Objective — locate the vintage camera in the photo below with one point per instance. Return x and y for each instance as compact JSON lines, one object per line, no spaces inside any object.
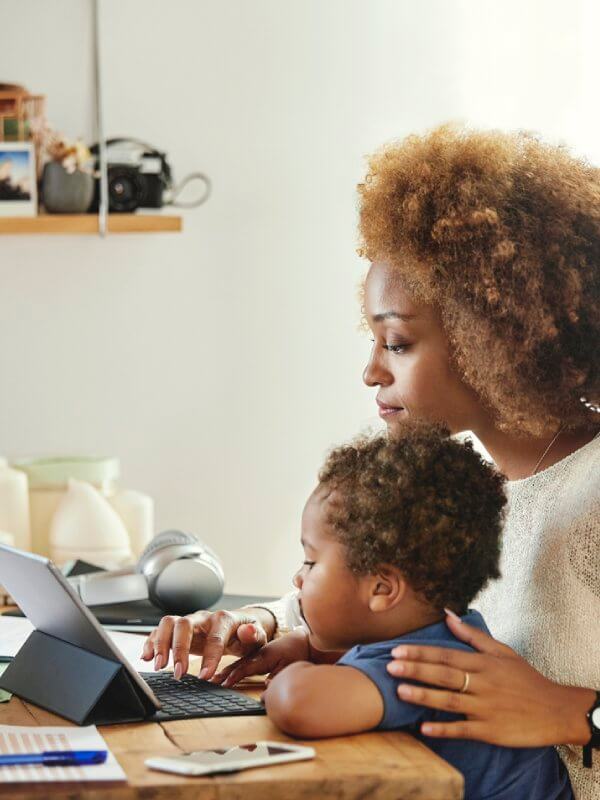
{"x":138,"y":175}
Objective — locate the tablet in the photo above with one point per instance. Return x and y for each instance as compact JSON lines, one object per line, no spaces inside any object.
{"x":54,"y":607}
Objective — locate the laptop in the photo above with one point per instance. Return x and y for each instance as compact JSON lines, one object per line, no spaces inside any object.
{"x":53,"y":606}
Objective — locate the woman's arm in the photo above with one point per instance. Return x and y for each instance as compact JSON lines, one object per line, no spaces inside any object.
{"x":506,"y":702}
{"x":311,"y":701}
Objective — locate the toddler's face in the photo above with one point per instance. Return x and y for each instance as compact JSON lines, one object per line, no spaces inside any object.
{"x":331,"y":599}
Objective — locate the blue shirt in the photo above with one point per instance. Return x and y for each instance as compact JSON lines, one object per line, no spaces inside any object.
{"x":501,"y":773}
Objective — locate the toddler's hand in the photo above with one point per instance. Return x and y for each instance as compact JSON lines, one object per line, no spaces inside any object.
{"x":269,"y":660}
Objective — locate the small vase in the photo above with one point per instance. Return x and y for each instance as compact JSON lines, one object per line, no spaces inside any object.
{"x":64,"y":192}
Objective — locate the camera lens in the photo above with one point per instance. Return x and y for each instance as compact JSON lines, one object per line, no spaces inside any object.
{"x":124,"y":189}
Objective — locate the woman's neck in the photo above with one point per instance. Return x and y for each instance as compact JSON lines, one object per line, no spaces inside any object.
{"x":518,"y":457}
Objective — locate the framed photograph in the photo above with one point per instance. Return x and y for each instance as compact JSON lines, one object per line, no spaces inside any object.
{"x":18,"y":188}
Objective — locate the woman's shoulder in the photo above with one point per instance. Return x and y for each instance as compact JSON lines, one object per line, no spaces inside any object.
{"x":562,"y":502}
{"x":559,"y":510}
{"x":580,"y":468}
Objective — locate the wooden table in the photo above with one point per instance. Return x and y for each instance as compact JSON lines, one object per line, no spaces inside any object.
{"x":377,"y":766}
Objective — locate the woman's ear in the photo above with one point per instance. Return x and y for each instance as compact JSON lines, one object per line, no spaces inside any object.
{"x":387,"y":589}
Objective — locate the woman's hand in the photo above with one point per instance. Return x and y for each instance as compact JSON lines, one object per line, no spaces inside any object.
{"x":210,"y":634}
{"x":269,"y":660}
{"x":506,"y":702}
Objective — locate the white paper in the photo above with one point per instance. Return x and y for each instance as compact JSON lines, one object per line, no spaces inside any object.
{"x":130,"y":645}
{"x":15,"y":630}
{"x":25,"y":739}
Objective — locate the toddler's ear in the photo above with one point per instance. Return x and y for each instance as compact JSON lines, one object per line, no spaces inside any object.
{"x":387,"y":588}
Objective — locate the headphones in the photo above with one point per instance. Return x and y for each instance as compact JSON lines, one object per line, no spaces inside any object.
{"x":177,"y":572}
{"x":183,"y":573}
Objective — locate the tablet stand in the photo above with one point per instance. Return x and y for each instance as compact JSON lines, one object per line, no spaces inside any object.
{"x":75,"y":683}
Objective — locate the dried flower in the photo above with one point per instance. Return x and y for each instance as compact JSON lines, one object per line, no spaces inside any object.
{"x":55,"y":146}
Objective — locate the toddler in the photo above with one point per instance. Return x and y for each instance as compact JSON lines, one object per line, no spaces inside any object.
{"x":395,"y":531}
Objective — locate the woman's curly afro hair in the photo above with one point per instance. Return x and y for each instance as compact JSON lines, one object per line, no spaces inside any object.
{"x":502,"y":233}
{"x":423,"y":502}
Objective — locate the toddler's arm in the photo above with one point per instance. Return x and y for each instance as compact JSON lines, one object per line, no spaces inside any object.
{"x":311,"y":701}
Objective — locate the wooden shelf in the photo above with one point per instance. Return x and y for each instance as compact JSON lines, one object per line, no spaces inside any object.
{"x":88,"y":224}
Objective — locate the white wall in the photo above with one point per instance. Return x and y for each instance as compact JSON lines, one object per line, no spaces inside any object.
{"x":221,"y":363}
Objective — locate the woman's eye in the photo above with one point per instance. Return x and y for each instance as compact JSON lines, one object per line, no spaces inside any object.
{"x":308,"y":564}
{"x":395,"y":348}
{"x":392,"y":347}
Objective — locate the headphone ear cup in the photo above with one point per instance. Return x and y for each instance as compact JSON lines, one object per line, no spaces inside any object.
{"x":186,"y":585}
{"x":161,"y":540}
{"x":183,"y":574}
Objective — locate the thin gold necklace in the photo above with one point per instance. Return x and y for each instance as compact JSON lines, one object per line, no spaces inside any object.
{"x":547,"y":450}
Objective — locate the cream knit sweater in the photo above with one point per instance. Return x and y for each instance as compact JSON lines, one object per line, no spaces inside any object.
{"x":546,"y":605}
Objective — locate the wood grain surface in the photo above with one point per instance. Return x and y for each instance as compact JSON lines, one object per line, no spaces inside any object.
{"x":88,"y":224}
{"x":378,"y":766}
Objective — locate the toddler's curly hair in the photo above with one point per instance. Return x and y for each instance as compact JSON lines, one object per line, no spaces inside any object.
{"x":423,"y":502}
{"x":502,"y":232}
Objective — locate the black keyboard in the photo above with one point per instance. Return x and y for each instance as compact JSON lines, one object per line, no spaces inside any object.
{"x":190,"y":697}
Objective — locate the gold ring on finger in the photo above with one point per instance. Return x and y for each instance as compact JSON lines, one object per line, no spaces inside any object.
{"x":465,"y":685}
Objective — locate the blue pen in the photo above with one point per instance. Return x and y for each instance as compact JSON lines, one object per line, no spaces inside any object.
{"x":56,"y":758}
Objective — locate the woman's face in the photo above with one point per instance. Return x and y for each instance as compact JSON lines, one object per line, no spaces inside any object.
{"x":410,"y":359}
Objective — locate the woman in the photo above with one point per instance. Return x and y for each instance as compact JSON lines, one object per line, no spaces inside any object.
{"x":483,"y":299}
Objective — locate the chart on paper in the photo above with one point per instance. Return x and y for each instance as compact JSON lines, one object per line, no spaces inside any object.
{"x":16,"y":739}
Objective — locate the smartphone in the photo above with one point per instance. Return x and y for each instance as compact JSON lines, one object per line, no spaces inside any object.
{"x":231,"y":759}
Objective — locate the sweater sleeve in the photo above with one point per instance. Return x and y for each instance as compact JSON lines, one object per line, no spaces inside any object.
{"x":585,"y":781}
{"x":286,"y":611}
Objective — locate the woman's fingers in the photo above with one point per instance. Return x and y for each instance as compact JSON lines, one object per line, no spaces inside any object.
{"x":251,"y":635}
{"x":462,"y":729}
{"x":172,"y":631}
{"x":455,"y":702}
{"x":162,"y":641}
{"x":148,"y":648}
{"x":477,"y":638}
{"x":432,"y":674}
{"x":446,"y":656}
{"x":220,"y":627}
{"x":247,"y":638}
{"x":183,"y":631}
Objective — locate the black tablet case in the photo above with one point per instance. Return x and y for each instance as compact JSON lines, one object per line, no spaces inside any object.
{"x":75,"y":683}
